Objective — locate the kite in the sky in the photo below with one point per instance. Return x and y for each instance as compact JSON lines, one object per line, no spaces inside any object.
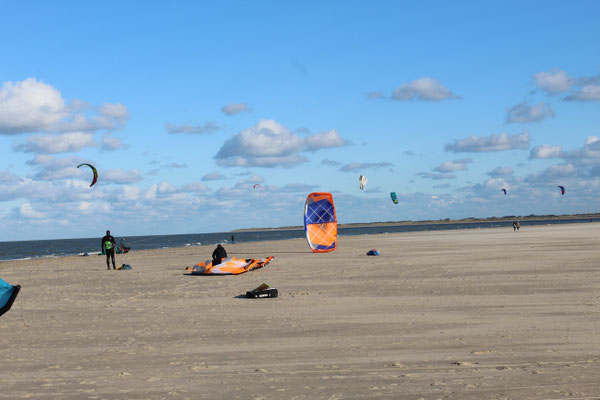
{"x":363,"y":182}
{"x":394,"y":197}
{"x":504,"y":190}
{"x":93,"y":170}
{"x":258,"y":185}
{"x":562,"y":189}
{"x":320,"y":222}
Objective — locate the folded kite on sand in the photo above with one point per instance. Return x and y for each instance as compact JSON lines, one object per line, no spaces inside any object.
{"x":229,"y":266}
{"x":8,"y":294}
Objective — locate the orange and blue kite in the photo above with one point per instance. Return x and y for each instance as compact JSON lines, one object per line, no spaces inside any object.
{"x":320,"y":222}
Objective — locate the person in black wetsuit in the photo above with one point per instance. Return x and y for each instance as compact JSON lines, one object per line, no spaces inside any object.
{"x":108,"y":247}
{"x":218,"y":255}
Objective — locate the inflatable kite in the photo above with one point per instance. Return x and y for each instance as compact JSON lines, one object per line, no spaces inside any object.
{"x":394,"y":197}
{"x":320,"y":222}
{"x":93,"y":170}
{"x":504,"y":190}
{"x":562,"y":190}
{"x":373,"y":252}
{"x":8,"y":294}
{"x":258,"y":185}
{"x":363,"y":181}
{"x":229,"y":266}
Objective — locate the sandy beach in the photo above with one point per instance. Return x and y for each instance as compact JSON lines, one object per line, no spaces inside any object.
{"x":466,"y":314}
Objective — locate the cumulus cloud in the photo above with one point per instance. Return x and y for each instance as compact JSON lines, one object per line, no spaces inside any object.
{"x":546,"y":151}
{"x":587,"y":93}
{"x":500,"y":172}
{"x":119,"y":176}
{"x":525,"y":113}
{"x":234,"y":108}
{"x":501,"y":142}
{"x":207,"y":127}
{"x":213,"y":176}
{"x":553,"y":173}
{"x":270,"y":144}
{"x":435,"y":176}
{"x":451,"y":166}
{"x":426,"y":88}
{"x":554,"y":81}
{"x":330,"y":163}
{"x":356,"y":166}
{"x":109,"y":142}
{"x":56,"y":143}
{"x":31,"y":106}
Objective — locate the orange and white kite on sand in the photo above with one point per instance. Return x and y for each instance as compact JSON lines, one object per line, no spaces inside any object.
{"x":229,"y":266}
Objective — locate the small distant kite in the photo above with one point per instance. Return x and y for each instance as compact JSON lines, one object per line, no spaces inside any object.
{"x":504,"y":190}
{"x":258,"y":185}
{"x":562,"y":190}
{"x":363,"y":182}
{"x":394,"y":197}
{"x":93,"y":170}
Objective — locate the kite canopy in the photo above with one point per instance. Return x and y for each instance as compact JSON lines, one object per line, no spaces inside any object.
{"x":93,"y":170}
{"x":258,"y":185}
{"x":8,"y":294}
{"x":229,"y":266}
{"x":394,"y":197}
{"x":320,"y":222}
{"x":562,"y":189}
{"x":504,"y":190}
{"x":363,"y":181}
{"x":373,"y":252}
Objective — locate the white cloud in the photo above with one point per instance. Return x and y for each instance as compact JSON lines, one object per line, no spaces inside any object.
{"x":330,"y":163}
{"x":235,"y":108}
{"x":56,"y":143}
{"x":554,"y":81}
{"x":546,"y":151}
{"x":551,"y":174}
{"x":525,"y":113}
{"x":587,"y":93}
{"x":425,"y":88}
{"x":28,"y":212}
{"x":436,"y":176}
{"x":355,"y":166}
{"x":208,"y":127}
{"x":33,"y":106}
{"x":108,"y":142}
{"x":213,"y":176}
{"x":129,"y":193}
{"x":270,"y":144}
{"x":501,"y":142}
{"x":500,"y":172}
{"x":119,"y":176}
{"x":451,"y":166}
{"x":30,"y":106}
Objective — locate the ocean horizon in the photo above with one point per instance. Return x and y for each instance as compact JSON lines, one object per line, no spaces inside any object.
{"x":28,"y":249}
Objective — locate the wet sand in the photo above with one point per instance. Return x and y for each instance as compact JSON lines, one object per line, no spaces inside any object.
{"x":466,"y":314}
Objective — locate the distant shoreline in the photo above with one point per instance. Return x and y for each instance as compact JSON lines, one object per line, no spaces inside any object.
{"x":508,"y":218}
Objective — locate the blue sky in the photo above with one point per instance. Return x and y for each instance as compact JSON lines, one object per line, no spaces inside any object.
{"x":184,"y":106}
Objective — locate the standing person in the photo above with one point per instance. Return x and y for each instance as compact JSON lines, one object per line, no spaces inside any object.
{"x":232,"y":239}
{"x":108,"y":247}
{"x":518,"y":225}
{"x":514,"y":225}
{"x":218,"y":255}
